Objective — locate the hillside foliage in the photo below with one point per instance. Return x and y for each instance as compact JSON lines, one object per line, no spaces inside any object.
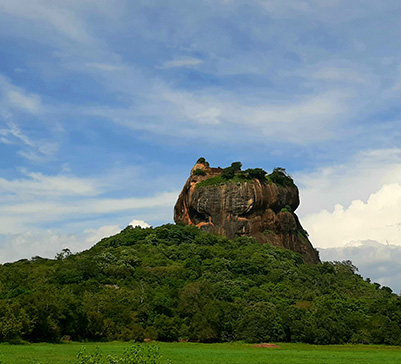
{"x":176,"y":282}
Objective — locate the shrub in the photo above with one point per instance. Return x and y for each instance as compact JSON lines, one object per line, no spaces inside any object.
{"x":83,"y":357}
{"x":135,"y":354}
{"x":202,"y":160}
{"x":228,"y":173}
{"x":236,"y":166}
{"x":279,"y":176}
{"x":256,"y":173}
{"x":199,"y":172}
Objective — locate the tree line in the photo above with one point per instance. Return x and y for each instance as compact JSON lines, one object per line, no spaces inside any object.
{"x":177,"y":282}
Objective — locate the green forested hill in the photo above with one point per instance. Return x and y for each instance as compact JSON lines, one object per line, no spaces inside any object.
{"x":176,"y":282}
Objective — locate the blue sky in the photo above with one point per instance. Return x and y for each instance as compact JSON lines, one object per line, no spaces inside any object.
{"x":106,"y":105}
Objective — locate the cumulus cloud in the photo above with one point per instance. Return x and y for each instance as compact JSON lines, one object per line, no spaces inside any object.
{"x":352,"y":211}
{"x":355,"y":179}
{"x":379,"y":219}
{"x":140,"y":223}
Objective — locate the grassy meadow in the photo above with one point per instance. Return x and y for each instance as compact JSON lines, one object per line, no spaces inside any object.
{"x":228,"y":353}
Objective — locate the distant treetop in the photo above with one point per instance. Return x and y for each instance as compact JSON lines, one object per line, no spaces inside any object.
{"x":281,"y":177}
{"x":202,"y":160}
{"x":236,"y":166}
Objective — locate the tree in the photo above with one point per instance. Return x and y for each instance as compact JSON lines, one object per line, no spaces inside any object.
{"x":202,"y":160}
{"x":236,"y":166}
{"x":281,"y":177}
{"x":65,"y":253}
{"x":228,"y":173}
{"x":256,"y":173}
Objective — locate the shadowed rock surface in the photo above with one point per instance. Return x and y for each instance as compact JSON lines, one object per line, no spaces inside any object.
{"x":264,"y":210}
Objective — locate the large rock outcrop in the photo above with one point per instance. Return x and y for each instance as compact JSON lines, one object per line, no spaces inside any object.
{"x":244,"y":207}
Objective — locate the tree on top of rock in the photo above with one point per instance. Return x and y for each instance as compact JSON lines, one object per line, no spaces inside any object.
{"x":202,"y":160}
{"x":236,"y":166}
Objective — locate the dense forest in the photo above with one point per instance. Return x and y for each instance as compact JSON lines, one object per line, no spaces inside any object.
{"x":176,"y":282}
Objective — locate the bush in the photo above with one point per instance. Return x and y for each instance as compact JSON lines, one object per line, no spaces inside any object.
{"x":135,"y":354}
{"x":236,"y":166}
{"x":256,"y":173}
{"x":202,"y":160}
{"x":199,"y":172}
{"x":280,"y":177}
{"x":228,"y":173}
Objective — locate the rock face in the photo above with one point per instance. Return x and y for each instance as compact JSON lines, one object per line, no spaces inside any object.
{"x":264,"y":210}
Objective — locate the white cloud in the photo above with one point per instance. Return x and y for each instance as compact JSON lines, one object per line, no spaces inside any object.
{"x":34,"y":150}
{"x":38,"y":185}
{"x":185,"y":62}
{"x":378,"y":219}
{"x":24,"y":215}
{"x":359,"y":200}
{"x":29,"y":244}
{"x":12,"y":133}
{"x":312,"y":112}
{"x":47,"y":243}
{"x":14,"y":97}
{"x":209,"y":116}
{"x":39,"y":200}
{"x":25,"y":101}
{"x":15,"y":100}
{"x":309,"y":118}
{"x":95,"y":235}
{"x":140,"y":223}
{"x":356,"y":179}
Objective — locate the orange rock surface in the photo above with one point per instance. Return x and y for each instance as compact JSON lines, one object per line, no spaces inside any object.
{"x":247,"y":208}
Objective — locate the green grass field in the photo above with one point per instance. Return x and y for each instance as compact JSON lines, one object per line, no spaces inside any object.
{"x":191,"y":353}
